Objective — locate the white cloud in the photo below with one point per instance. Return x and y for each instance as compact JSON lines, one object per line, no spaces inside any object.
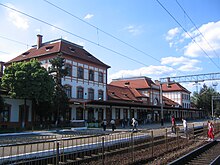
{"x":210,"y":43}
{"x":134,"y":30}
{"x":172,"y":37}
{"x":172,"y":33}
{"x":88,"y":16}
{"x":17,"y":19}
{"x":183,"y":63}
{"x":151,"y":71}
{"x":211,"y":33}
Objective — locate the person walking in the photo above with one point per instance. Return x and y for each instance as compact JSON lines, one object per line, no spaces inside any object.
{"x":185,"y":127}
{"x":173,"y":122}
{"x":104,"y":124}
{"x":134,"y":124}
{"x":211,"y":132}
{"x":112,"y":122}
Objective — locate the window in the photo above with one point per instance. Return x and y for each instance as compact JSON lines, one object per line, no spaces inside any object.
{"x":91,"y":117}
{"x":91,"y":94}
{"x":79,"y":93}
{"x":117,"y":113}
{"x":68,"y":90}
{"x":100,"y":95}
{"x":48,"y":48}
{"x":5,"y":114}
{"x":100,"y":78}
{"x":69,"y":69}
{"x":79,"y":113}
{"x":91,"y":75}
{"x":80,"y":72}
{"x":72,"y":49}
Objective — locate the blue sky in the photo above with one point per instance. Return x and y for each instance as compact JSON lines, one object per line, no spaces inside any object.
{"x":154,"y":44}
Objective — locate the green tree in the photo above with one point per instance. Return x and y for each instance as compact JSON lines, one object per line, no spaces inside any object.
{"x":203,"y":99}
{"x":28,"y":80}
{"x":60,"y":99}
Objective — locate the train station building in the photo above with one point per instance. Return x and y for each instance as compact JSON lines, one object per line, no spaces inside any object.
{"x":92,"y":99}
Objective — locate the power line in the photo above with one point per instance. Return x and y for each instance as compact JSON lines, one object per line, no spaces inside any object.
{"x":98,"y":29}
{"x":22,"y":43}
{"x":4,"y":52}
{"x":187,"y":33}
{"x":66,"y":31}
{"x":197,"y":28}
{"x":108,"y":34}
{"x":97,"y":44}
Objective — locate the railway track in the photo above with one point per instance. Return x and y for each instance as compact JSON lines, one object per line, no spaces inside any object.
{"x":206,"y":154}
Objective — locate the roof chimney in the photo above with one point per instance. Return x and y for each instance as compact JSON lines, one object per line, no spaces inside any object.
{"x":39,"y":41}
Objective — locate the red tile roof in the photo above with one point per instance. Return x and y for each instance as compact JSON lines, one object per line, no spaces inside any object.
{"x":169,"y":102}
{"x":120,"y":93}
{"x":174,"y":87}
{"x":56,"y":46}
{"x":135,"y":82}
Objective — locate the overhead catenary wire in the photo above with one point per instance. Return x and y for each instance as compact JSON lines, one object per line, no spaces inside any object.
{"x":197,"y":28}
{"x":18,"y":42}
{"x":66,"y":31}
{"x":98,"y":29}
{"x":187,"y":33}
{"x":107,"y":33}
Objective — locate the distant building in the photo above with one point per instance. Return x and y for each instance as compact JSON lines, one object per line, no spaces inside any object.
{"x":146,"y":89}
{"x":177,"y":93}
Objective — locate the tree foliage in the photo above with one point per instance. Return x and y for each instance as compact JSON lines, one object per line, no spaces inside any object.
{"x":60,"y":99}
{"x":203,"y":98}
{"x":28,"y":80}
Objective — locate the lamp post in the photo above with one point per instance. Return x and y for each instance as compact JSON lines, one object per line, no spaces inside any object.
{"x":212,"y":106}
{"x":161,"y":104}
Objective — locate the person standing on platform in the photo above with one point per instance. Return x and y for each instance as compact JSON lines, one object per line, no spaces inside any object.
{"x":113,"y":124}
{"x":173,"y":122}
{"x":104,"y":124}
{"x":185,"y":127}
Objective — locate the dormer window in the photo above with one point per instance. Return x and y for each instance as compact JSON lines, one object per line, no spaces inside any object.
{"x":89,"y":55}
{"x":48,"y":48}
{"x":127,"y":83}
{"x":25,"y":54}
{"x":72,"y":49}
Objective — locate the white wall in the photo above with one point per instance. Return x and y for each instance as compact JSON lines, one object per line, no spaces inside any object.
{"x":15,"y":103}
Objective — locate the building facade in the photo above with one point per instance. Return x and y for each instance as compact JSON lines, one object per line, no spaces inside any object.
{"x":92,"y":100}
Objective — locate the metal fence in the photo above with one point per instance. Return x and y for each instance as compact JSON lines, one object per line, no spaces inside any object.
{"x":99,"y":148}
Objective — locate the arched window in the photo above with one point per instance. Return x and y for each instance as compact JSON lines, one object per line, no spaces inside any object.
{"x":80,"y":72}
{"x":5,"y":113}
{"x":91,"y":75}
{"x":79,"y":113}
{"x":91,"y":94}
{"x":100,"y":77}
{"x":69,"y":69}
{"x":68,"y":90}
{"x":79,"y":92}
{"x":100,"y":95}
